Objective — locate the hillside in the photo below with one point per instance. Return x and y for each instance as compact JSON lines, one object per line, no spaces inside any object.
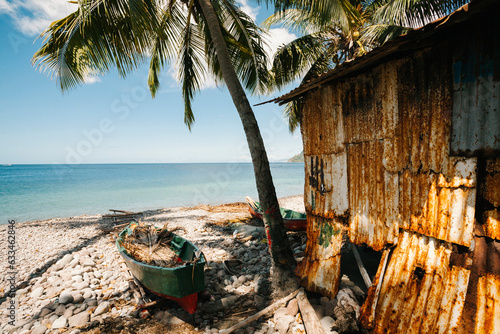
{"x":297,"y":158}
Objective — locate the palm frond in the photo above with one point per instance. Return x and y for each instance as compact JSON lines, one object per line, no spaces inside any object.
{"x":191,"y":69}
{"x":294,"y":59}
{"x":378,"y":34}
{"x":245,"y":46}
{"x":293,"y":112}
{"x":324,"y":12}
{"x":96,"y":37}
{"x":166,"y":44}
{"x":413,"y":13}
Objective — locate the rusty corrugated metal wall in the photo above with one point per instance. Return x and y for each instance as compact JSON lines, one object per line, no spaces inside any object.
{"x":392,"y":159}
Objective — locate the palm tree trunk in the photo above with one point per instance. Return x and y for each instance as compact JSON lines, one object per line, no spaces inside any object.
{"x":283,"y":262}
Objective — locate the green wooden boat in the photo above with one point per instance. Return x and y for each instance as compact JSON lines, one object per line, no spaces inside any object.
{"x":180,"y":284}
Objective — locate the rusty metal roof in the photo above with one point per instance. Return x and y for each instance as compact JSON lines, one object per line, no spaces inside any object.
{"x":413,"y":40}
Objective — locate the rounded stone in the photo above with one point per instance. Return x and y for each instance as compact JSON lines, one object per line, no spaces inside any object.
{"x":65,"y":297}
{"x":38,"y":292}
{"x":60,"y":323}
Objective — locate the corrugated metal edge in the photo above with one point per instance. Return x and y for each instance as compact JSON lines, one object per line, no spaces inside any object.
{"x":426,"y":293}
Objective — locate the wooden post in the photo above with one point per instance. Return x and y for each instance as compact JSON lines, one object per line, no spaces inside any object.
{"x":362,"y":270}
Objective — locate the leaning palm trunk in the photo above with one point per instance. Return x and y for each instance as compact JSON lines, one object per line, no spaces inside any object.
{"x":282,"y":257}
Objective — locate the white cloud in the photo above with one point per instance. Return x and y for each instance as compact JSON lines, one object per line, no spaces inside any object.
{"x":276,"y":38}
{"x":249,"y":10}
{"x":31,"y":17}
{"x":91,"y":79}
{"x":5,"y":7}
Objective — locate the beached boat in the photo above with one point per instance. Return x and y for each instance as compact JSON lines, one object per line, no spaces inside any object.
{"x":293,"y":220}
{"x":180,"y":284}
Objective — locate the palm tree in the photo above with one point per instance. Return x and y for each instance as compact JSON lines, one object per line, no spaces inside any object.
{"x":125,"y":33}
{"x":335,"y":31}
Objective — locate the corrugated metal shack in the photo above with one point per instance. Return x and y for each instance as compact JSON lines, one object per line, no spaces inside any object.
{"x":402,"y":153}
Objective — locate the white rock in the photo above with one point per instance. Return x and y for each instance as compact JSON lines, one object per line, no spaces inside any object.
{"x":65,"y":260}
{"x":40,"y":329}
{"x":60,"y":323}
{"x":60,"y":309}
{"x":38,"y":292}
{"x":88,"y":263}
{"x":80,"y":286}
{"x":77,"y":278}
{"x":101,"y":308}
{"x":107,"y":274}
{"x":327,"y":323}
{"x":283,"y":323}
{"x":77,"y":272}
{"x":79,"y":319}
{"x":77,"y":298}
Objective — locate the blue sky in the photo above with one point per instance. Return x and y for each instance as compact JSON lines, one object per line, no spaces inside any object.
{"x":113,"y":120}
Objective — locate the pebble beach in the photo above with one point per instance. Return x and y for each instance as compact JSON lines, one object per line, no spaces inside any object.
{"x":69,"y":277}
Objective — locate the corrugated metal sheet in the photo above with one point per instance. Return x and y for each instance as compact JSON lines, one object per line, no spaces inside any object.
{"x":320,"y":269}
{"x":482,"y":305}
{"x":326,"y":193}
{"x":373,"y":197}
{"x":324,"y":125}
{"x":422,"y":131}
{"x":364,"y":106}
{"x":421,"y":292}
{"x":476,"y":92}
{"x":440,"y":212}
{"x":488,"y":305}
{"x":398,"y":163}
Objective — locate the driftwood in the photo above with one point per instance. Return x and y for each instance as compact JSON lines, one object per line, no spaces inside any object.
{"x":119,"y":215}
{"x":309,"y":317}
{"x":123,"y":211}
{"x":362,"y":270}
{"x":270,"y":308}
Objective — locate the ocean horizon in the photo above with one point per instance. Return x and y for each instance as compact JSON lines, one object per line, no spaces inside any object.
{"x":37,"y":192}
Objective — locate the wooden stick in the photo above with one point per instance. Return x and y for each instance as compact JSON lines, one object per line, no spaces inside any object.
{"x":362,"y":270}
{"x":123,"y":211}
{"x":309,"y":317}
{"x":271,"y":308}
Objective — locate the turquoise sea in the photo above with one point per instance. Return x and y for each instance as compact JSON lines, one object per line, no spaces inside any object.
{"x":35,"y":192}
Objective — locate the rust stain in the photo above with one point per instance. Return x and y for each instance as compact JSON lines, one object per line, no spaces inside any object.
{"x":367,"y":311}
{"x":444,"y":213}
{"x":326,"y":192}
{"x":373,"y":197}
{"x":319,"y":271}
{"x":323,"y":122}
{"x":420,"y":292}
{"x":488,"y":304}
